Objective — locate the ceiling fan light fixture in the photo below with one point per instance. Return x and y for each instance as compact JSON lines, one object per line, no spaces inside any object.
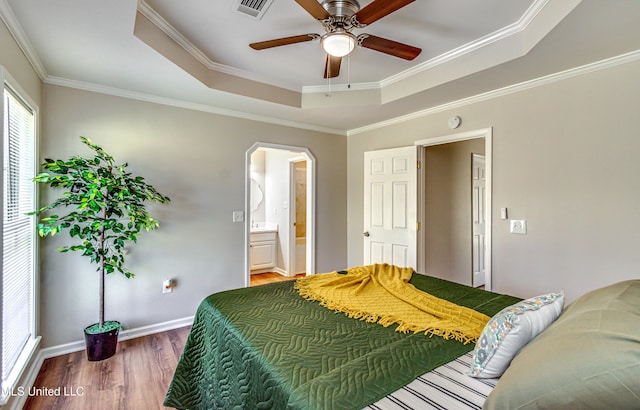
{"x":338,"y":43}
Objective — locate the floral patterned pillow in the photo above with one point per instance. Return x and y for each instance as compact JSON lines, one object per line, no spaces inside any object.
{"x":510,"y":330}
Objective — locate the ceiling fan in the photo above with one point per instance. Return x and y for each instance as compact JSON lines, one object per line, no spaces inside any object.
{"x":339,"y":18}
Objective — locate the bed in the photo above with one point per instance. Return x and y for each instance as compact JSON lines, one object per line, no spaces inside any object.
{"x":266,"y":347}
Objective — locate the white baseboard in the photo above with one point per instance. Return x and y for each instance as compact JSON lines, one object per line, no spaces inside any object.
{"x":53,"y":351}
{"x":277,"y":270}
{"x":157,"y":328}
{"x":126,"y":334}
{"x":259,"y":271}
{"x":281,"y":271}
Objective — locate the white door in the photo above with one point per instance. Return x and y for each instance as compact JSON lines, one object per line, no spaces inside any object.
{"x":390,"y":206}
{"x":478,"y":201}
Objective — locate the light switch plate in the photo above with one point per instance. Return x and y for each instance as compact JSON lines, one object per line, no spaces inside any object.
{"x":518,"y":226}
{"x":238,"y":216}
{"x":167,"y":286}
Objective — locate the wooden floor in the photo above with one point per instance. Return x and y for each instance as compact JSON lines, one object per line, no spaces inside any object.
{"x":136,"y":378}
{"x":262,"y":278}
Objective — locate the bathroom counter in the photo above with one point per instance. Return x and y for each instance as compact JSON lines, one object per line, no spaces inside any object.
{"x":263,"y":227}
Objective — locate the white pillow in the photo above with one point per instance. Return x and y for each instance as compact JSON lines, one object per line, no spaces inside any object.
{"x":510,"y":330}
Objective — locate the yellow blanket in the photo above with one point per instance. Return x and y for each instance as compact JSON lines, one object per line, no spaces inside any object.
{"x":382,"y":294}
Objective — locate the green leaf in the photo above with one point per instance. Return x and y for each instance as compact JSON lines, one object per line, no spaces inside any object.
{"x":107,"y":204}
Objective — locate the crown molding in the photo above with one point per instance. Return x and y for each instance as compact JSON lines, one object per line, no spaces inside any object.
{"x":514,"y":40}
{"x":10,"y":20}
{"x":630,"y":57}
{"x":310,"y":89}
{"x":496,"y":36}
{"x":7,"y":15}
{"x":516,"y":47}
{"x":537,"y":82}
{"x":155,"y":18}
{"x":134,"y":95}
{"x":499,"y":35}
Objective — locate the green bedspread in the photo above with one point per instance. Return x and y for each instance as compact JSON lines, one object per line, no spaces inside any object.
{"x":265,"y":347}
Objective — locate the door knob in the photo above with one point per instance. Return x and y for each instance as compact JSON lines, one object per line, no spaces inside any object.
{"x":366,"y":234}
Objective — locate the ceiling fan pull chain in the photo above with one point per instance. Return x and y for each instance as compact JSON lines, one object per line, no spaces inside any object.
{"x":328,"y":93}
{"x":349,"y":71}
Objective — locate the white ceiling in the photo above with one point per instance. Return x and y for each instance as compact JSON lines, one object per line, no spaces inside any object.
{"x":469,"y":47}
{"x":436,"y":26}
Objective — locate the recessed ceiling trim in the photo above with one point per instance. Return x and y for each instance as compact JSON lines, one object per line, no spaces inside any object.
{"x":183,"y":42}
{"x":501,"y":46}
{"x":340,"y":87}
{"x":533,"y":12}
{"x":515,"y":40}
{"x":477,"y":44}
{"x":453,"y":54}
{"x":149,"y":33}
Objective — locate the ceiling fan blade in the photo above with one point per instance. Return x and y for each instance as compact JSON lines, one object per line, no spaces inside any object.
{"x":332,"y":66}
{"x":378,"y":9}
{"x":314,"y":8}
{"x":390,"y":47}
{"x":283,"y":41}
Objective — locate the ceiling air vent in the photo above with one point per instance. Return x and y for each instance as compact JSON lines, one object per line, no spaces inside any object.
{"x":253,"y":8}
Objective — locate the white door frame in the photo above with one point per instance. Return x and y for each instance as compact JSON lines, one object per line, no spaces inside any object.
{"x":487,"y":134}
{"x":478,"y":180}
{"x":311,"y":205}
{"x":292,"y":216}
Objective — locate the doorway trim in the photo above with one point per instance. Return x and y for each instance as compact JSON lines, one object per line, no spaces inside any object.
{"x":311,"y":204}
{"x":292,"y":216}
{"x":487,"y":134}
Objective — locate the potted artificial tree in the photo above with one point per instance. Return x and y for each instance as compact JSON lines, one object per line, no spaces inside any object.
{"x":107,"y":212}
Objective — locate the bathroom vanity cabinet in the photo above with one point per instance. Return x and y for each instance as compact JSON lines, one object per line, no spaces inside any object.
{"x":262,"y":250}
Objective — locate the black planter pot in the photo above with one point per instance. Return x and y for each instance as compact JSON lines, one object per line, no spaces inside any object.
{"x":101,"y":346}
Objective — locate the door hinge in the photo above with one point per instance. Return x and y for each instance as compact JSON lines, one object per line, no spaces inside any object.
{"x":419,"y":164}
{"x":418,"y":226}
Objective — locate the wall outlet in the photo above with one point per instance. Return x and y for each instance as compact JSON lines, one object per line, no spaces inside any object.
{"x":518,"y":226}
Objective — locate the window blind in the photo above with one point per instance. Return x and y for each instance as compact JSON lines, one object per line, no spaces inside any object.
{"x":18,"y":230}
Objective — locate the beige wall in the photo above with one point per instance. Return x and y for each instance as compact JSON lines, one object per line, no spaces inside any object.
{"x":565,"y":158}
{"x":447,"y":222}
{"x":198,"y":159}
{"x":15,"y":62}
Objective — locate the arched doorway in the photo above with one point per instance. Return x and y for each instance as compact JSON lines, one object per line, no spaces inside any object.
{"x":270,"y":195}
